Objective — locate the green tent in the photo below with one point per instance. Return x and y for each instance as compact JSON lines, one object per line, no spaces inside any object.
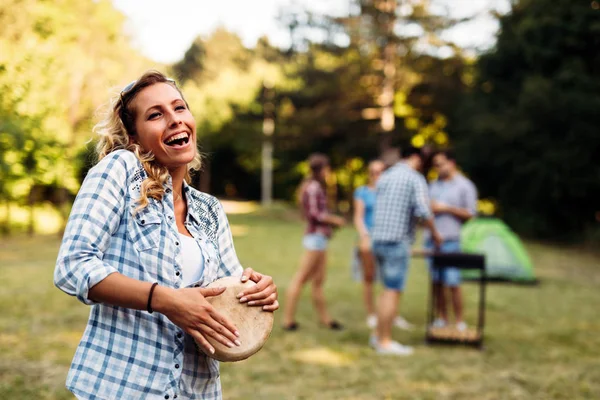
{"x":505,"y":256}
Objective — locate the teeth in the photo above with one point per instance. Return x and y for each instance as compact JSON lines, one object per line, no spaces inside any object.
{"x":178,"y":136}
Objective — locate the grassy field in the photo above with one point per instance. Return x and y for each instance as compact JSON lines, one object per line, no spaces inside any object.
{"x":541,"y":342}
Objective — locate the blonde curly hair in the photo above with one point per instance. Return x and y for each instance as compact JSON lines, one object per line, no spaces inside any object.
{"x":118,"y":126}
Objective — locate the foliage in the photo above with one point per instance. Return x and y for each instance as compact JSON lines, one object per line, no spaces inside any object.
{"x":323,"y":90}
{"x":338,"y":111}
{"x":327,"y":89}
{"x":57,"y":61}
{"x":528,"y":131}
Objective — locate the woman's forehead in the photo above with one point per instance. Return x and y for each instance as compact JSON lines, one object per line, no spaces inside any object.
{"x":156,"y":95}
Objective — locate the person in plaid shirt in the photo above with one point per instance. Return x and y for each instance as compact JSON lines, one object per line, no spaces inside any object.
{"x":140,"y":247}
{"x":364,"y":263}
{"x":401,"y":200}
{"x":320,"y":221}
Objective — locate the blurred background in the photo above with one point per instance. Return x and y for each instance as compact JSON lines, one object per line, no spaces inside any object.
{"x":511,"y":85}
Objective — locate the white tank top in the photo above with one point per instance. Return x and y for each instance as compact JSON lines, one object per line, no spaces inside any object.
{"x":192,"y":264}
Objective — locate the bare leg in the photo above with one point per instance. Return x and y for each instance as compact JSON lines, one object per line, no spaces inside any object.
{"x":441,"y":309}
{"x":308,"y":262}
{"x":318,"y":296}
{"x":387,"y":309}
{"x":457,"y":303}
{"x":368,"y":264}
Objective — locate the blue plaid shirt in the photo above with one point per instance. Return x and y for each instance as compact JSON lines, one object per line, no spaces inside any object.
{"x":401,"y":197}
{"x":126,"y":353}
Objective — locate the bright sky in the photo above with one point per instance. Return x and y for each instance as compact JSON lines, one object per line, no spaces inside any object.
{"x":163,"y":30}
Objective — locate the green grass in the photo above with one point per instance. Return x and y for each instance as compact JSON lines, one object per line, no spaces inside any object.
{"x":541,"y":342}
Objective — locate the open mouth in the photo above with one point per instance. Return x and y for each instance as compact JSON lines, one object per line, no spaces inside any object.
{"x":177,"y":140}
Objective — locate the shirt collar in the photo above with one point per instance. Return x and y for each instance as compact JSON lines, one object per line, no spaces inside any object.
{"x":451,"y":180}
{"x":401,"y":164}
{"x":192,"y":212}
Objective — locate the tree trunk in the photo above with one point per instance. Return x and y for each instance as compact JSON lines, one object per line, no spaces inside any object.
{"x":388,"y":90}
{"x":62,"y":208}
{"x":267,"y":172}
{"x":31,"y":225}
{"x":266,"y":177}
{"x":6,"y":223}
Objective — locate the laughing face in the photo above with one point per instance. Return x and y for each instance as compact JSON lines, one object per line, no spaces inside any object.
{"x":164,"y":125}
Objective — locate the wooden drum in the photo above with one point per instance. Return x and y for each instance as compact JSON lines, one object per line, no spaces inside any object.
{"x":253,"y":323}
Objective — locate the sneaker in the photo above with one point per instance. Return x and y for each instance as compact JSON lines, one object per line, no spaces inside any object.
{"x":461,"y":326}
{"x":373,"y":341}
{"x":372,"y":321}
{"x":439,"y":323}
{"x":401,"y":323}
{"x":394,"y":349}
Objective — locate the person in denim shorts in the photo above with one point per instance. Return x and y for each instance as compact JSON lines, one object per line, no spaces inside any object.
{"x":401,"y":198}
{"x":364,"y":263}
{"x":453,"y":201}
{"x":320,"y":222}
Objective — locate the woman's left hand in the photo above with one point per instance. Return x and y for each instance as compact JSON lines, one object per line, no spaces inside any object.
{"x":264,"y":293}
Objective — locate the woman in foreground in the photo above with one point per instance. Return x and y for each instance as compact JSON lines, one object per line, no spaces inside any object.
{"x":140,"y":246}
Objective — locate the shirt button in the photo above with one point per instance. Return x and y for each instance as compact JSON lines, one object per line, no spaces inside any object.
{"x":167,"y":396}
{"x":177,"y":273}
{"x":176,"y":243}
{"x":196,"y":285}
{"x":143,"y":221}
{"x":179,"y":335}
{"x":174,"y":396}
{"x":176,"y":366}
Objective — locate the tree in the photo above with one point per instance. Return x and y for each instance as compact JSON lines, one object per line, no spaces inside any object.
{"x":57,"y":61}
{"x":223,"y":82}
{"x":528,"y":131}
{"x":326,"y":95}
{"x":371,"y":82}
{"x":192,"y":64}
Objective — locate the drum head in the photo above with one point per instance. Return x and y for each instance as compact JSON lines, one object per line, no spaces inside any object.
{"x":253,"y":324}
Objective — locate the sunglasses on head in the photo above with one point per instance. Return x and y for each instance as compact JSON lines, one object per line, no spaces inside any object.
{"x":128,"y":87}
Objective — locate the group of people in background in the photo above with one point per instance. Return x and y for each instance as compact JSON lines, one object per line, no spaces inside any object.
{"x":387,"y":210}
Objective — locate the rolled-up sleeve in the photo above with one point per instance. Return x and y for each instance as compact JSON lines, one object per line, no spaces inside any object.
{"x":422,"y":207}
{"x":230,"y":264}
{"x":95,"y":217}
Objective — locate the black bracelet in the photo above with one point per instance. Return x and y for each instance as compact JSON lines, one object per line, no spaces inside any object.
{"x":149,"y":307}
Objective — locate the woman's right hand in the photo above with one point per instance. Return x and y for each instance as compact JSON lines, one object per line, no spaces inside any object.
{"x":189,"y":309}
